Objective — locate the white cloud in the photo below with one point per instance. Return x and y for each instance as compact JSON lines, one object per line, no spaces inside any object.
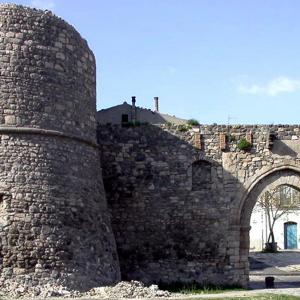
{"x":272,"y":88}
{"x":43,"y":4}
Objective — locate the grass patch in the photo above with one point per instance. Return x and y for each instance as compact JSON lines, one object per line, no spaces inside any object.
{"x":259,"y":297}
{"x":196,"y":288}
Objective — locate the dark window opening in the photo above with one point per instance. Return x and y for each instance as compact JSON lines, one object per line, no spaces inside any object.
{"x":201,"y":172}
{"x":124,"y":118}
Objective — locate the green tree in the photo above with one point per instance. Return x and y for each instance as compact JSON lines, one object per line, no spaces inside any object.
{"x":277,"y":203}
{"x":193,"y":122}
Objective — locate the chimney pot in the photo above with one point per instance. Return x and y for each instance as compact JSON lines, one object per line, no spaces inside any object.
{"x":133,"y":109}
{"x":156,"y":101}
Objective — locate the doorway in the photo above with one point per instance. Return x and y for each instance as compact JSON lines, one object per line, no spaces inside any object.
{"x":290,"y":235}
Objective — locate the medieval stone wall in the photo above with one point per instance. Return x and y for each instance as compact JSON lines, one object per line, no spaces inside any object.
{"x":54,"y":224}
{"x":178,"y":196}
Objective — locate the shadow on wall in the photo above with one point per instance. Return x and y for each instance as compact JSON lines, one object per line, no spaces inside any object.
{"x":283,"y":148}
{"x":170,"y":205}
{"x":175,"y":209}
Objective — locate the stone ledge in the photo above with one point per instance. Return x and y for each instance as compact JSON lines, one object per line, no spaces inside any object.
{"x":47,"y":132}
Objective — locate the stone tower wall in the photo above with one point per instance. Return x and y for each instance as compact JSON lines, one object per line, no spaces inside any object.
{"x":54,"y":223}
{"x":47,"y":73}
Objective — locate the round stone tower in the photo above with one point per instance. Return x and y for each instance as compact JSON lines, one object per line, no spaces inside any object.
{"x":54,"y":222}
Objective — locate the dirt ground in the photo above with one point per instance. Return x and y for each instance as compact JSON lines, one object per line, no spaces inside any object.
{"x":283,"y":266}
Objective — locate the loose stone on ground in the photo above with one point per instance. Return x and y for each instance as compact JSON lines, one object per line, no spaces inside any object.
{"x":132,"y":289}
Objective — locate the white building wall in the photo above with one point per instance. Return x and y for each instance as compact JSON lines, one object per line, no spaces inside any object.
{"x":259,"y":231}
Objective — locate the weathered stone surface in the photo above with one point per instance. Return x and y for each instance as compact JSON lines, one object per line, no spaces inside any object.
{"x":54,"y":224}
{"x":182,"y":213}
{"x":180,"y":200}
{"x":41,"y":82}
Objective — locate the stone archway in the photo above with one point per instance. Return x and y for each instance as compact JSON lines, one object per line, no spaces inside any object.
{"x":284,"y":175}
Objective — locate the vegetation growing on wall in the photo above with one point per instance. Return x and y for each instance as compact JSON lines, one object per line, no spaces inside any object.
{"x":193,"y":122}
{"x":183,"y":128}
{"x":244,"y":145}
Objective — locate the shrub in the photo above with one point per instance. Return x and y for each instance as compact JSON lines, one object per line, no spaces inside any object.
{"x":193,"y":122}
{"x":244,"y":145}
{"x":182,"y":128}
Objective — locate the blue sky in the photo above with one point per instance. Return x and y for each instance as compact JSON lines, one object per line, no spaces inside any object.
{"x":205,"y":59}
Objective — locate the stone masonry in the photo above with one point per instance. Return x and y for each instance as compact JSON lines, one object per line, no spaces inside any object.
{"x":54,"y":225}
{"x":181,"y":198}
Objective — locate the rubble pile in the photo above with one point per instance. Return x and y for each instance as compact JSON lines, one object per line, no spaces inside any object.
{"x":132,"y":289}
{"x":15,"y":290}
{"x":124,"y":289}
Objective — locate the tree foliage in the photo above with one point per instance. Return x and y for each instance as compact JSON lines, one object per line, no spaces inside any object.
{"x":193,"y":122}
{"x":277,"y":203}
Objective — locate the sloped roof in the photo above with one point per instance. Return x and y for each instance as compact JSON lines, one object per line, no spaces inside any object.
{"x":113,"y":115}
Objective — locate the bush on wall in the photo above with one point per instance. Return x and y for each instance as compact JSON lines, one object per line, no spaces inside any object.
{"x":193,"y":122}
{"x":244,"y":145}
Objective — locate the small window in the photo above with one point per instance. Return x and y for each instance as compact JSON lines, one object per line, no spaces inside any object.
{"x":288,"y":196}
{"x":201,"y":175}
{"x":124,"y":118}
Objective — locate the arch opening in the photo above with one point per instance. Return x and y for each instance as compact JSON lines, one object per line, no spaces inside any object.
{"x":285,"y":181}
{"x":272,"y":210}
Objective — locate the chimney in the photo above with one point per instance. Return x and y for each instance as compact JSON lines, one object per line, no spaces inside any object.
{"x":133,"y":100}
{"x":133,"y":109}
{"x":156,"y":99}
